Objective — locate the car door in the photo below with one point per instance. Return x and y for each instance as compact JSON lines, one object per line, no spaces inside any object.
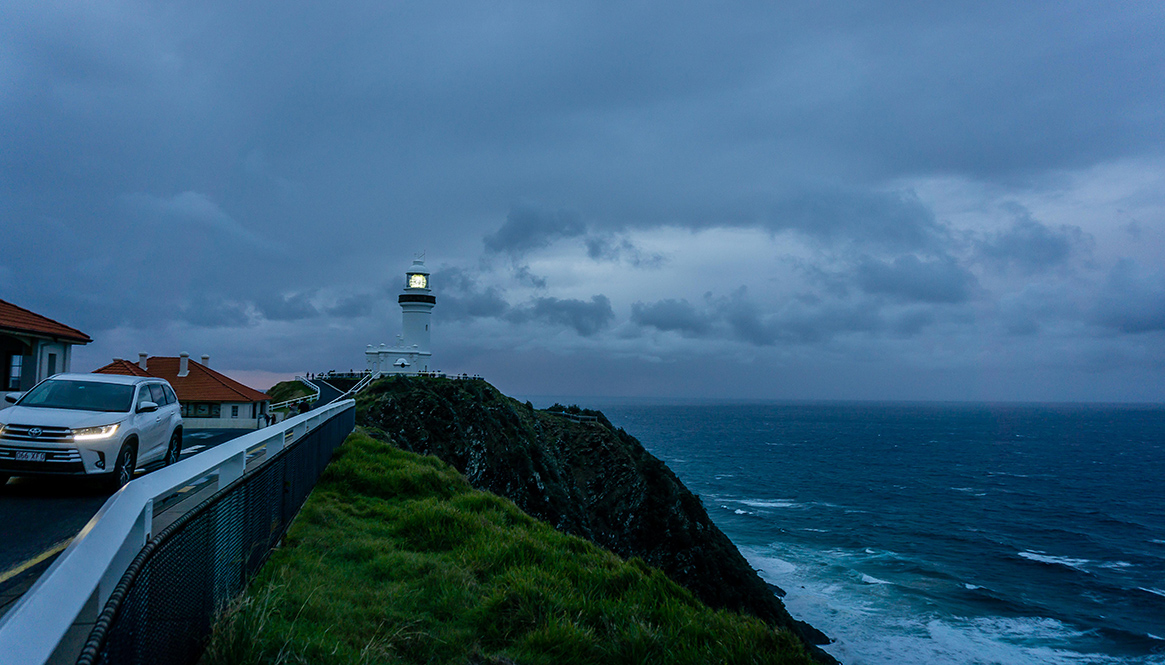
{"x":149,"y":426}
{"x":171,"y":412}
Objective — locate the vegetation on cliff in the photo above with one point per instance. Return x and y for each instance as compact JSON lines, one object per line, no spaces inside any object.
{"x":285,"y":390}
{"x":588,"y":479}
{"x":395,"y":558}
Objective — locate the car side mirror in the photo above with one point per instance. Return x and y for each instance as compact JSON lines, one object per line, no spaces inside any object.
{"x":13,"y":397}
{"x":147,"y":407}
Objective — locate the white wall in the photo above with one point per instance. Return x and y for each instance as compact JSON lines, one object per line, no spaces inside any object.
{"x":44,"y":348}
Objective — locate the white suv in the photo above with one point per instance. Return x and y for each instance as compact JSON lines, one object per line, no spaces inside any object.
{"x":88,"y":424}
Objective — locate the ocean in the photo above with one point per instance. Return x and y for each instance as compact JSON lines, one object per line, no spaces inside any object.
{"x":939,"y":533}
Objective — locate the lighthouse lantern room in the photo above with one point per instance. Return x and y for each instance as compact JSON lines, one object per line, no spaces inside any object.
{"x":411,"y":354}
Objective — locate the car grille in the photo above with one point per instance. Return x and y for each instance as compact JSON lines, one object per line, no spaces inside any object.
{"x":57,"y":460}
{"x":24,"y":434}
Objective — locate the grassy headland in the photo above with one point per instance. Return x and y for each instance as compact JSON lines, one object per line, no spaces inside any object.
{"x":396,"y":559}
{"x":285,"y":390}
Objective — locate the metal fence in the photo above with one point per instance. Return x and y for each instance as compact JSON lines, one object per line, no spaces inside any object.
{"x":163,"y":608}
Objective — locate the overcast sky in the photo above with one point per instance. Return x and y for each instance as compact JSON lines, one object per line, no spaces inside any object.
{"x":806,"y":200}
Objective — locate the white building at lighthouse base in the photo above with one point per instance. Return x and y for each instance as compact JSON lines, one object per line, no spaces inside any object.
{"x":398,"y":359}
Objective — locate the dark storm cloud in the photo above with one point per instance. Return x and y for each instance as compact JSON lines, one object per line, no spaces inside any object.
{"x":667,"y":315}
{"x":798,"y":321}
{"x":606,"y":247}
{"x":585,"y":318}
{"x":462,"y":296}
{"x":293,"y":307}
{"x":892,"y":219}
{"x":178,"y":213}
{"x":1132,"y":299}
{"x":1031,"y":246}
{"x":210,"y":312}
{"x":528,"y":228}
{"x":353,"y":306}
{"x":909,"y":278}
{"x":523,"y":275}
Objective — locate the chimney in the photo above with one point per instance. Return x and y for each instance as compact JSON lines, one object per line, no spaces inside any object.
{"x":142,"y":359}
{"x":183,"y":364}
{"x":205,"y":360}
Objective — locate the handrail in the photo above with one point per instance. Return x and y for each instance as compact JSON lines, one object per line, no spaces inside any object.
{"x":302,"y":398}
{"x":54,"y":617}
{"x":368,"y":378}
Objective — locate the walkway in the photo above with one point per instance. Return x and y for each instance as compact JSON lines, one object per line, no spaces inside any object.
{"x":328,"y":393}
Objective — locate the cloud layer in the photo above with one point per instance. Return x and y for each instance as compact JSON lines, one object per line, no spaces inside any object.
{"x":913,"y":201}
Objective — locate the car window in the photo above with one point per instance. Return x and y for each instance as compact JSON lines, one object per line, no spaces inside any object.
{"x":144,"y":395}
{"x":170,"y":396}
{"x":85,"y":395}
{"x":158,"y":397}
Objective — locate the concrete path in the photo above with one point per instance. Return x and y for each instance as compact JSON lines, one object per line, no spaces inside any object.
{"x":328,"y":393}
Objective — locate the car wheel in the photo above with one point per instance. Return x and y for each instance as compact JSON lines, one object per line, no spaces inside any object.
{"x":174,"y":451}
{"x":123,"y":470}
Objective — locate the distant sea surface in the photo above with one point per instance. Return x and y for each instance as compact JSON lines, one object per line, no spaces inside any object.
{"x":940,"y":533}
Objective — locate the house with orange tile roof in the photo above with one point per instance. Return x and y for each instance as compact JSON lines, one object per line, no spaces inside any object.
{"x":33,"y":347}
{"x":209,"y":399}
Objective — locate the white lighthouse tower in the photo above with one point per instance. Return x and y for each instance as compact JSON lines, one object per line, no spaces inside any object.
{"x":411,"y":354}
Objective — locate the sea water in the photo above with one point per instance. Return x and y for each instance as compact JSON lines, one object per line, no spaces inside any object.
{"x":939,"y":533}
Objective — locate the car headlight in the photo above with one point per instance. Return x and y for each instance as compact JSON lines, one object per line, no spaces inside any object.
{"x":95,"y":433}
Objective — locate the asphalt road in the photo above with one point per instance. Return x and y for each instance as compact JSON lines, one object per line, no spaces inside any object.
{"x":39,"y":516}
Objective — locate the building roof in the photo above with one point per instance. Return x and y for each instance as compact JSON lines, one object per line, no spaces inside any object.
{"x":201,"y":383}
{"x":14,"y":318}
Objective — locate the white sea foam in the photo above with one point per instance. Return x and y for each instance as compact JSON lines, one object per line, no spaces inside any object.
{"x":971,"y":587}
{"x":1155,"y":592}
{"x":1044,"y":557}
{"x":1116,"y":565}
{"x":761,"y":503}
{"x":770,"y":565}
{"x":872,"y":628}
{"x":741,"y":512}
{"x":865,"y":638}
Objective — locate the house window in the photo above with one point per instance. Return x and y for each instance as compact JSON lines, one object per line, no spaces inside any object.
{"x":235,"y":411}
{"x":52,"y":364}
{"x":199,"y":410}
{"x":14,"y":372}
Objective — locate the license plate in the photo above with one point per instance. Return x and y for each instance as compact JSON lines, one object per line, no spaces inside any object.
{"x":29,"y":456}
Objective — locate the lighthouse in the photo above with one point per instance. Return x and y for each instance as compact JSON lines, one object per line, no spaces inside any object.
{"x":411,"y":353}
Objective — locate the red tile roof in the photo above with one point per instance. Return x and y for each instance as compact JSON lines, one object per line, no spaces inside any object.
{"x":19,"y":320}
{"x":201,"y":383}
{"x":125,"y":367}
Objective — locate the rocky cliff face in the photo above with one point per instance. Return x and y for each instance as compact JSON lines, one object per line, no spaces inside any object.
{"x":587,"y":479}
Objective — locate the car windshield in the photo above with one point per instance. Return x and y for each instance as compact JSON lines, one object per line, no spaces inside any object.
{"x":81,"y":395}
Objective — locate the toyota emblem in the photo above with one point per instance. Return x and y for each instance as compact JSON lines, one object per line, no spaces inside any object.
{"x":35,"y":432}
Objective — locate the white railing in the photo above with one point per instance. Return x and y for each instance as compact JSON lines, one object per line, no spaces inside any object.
{"x":295,"y":400}
{"x":50,"y":623}
{"x":368,"y":378}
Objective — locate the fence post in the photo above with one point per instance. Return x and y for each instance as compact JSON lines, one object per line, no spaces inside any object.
{"x":232,"y":469}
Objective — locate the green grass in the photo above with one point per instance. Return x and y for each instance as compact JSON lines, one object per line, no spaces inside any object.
{"x":285,"y":390}
{"x":396,"y":559}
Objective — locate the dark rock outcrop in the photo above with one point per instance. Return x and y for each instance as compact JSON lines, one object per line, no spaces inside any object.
{"x":587,"y":479}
